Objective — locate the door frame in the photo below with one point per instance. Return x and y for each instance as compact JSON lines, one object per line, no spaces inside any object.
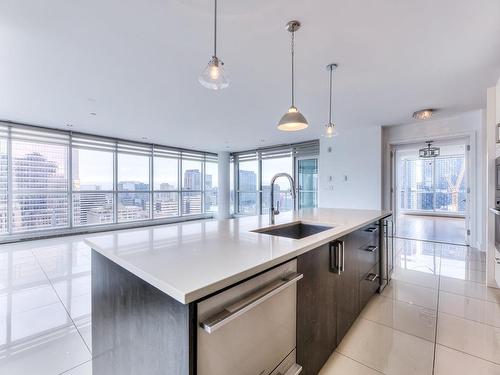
{"x":470,"y":140}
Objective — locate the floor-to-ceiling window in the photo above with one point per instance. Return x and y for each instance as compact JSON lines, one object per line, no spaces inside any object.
{"x":307,"y":182}
{"x":433,"y":185}
{"x":282,"y":188}
{"x":57,"y":180}
{"x":254,"y":170}
{"x":3,"y":180}
{"x":248,"y":186}
{"x":92,"y":178}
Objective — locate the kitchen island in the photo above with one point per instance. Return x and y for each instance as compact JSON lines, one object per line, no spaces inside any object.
{"x":148,"y":282}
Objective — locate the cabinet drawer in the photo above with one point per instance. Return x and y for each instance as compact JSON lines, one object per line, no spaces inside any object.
{"x":368,"y":285}
{"x":368,"y":255}
{"x":370,"y":234}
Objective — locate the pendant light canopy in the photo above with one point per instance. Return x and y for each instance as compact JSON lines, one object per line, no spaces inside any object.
{"x":214,"y":77}
{"x":330,"y":130}
{"x":293,"y":120}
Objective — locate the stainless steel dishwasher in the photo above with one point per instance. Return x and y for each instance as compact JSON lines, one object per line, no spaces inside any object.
{"x":250,"y":329}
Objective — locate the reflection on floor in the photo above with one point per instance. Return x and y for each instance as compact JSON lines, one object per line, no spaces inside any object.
{"x":431,"y":228}
{"x":437,"y":316}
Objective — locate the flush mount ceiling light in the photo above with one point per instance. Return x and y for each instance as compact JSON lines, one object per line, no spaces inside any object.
{"x":424,"y":114}
{"x":214,"y":77}
{"x":429,"y":151}
{"x":330,"y":130}
{"x":292,"y":120}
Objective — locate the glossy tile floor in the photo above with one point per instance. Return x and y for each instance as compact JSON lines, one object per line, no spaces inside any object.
{"x":431,"y":228}
{"x":436,"y":317}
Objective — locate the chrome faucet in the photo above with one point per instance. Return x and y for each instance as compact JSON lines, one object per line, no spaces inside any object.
{"x":272,"y":210}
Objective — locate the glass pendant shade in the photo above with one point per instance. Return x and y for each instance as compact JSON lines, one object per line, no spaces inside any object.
{"x":292,"y":121}
{"x":214,"y":77}
{"x":330,"y":130}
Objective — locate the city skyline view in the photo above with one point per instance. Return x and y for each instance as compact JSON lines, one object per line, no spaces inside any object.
{"x":42,"y":197}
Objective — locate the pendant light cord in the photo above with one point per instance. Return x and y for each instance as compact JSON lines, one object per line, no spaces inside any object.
{"x":331,"y":84}
{"x":215,"y":28}
{"x":293,"y":66}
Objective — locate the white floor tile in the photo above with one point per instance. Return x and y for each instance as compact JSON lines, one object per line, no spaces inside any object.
{"x":83,"y":369}
{"x":340,"y":364}
{"x":412,"y":319}
{"x":412,"y":293}
{"x":463,"y":273}
{"x":30,"y":298}
{"x":417,"y":277}
{"x":470,"y":308}
{"x":449,"y":361}
{"x":470,"y":337}
{"x":469,"y":289}
{"x":48,"y":354}
{"x":387,"y":350}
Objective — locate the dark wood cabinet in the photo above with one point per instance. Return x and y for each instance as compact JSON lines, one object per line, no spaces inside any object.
{"x":316,"y":310}
{"x":347,"y":286}
{"x":338,"y":282}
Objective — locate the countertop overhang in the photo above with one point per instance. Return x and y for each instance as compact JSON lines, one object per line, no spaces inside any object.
{"x":193,"y":259}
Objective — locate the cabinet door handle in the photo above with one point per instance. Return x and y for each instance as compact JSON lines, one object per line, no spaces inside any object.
{"x":371,"y":248}
{"x":371,"y":229}
{"x":371,"y":277}
{"x":335,"y":257}
{"x":342,"y":250}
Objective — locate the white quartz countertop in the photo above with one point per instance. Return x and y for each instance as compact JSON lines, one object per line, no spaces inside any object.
{"x":193,"y":259}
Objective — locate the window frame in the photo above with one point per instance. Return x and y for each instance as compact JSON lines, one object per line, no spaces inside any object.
{"x":296,"y":151}
{"x":77,"y":140}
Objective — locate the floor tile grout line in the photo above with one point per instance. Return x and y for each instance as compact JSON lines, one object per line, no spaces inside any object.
{"x":72,"y":368}
{"x":408,"y":303}
{"x":469,"y":320}
{"x":469,"y":354}
{"x":434,"y":241}
{"x":357,"y":361}
{"x":437,"y":316}
{"x":463,"y":295}
{"x":414,"y":284}
{"x":62,"y":303}
{"x":396,"y":329}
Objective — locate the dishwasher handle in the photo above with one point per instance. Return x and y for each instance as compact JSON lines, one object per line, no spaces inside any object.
{"x":240,"y":307}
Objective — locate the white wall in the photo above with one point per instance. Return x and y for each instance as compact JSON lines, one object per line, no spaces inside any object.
{"x":355,"y":154}
{"x":470,"y":124}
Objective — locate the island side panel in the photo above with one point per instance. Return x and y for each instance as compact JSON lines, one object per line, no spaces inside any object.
{"x":136,"y":328}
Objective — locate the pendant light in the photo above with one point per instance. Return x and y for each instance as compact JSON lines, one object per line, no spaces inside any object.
{"x":429,"y":151}
{"x":330,"y":130}
{"x":214,"y":77}
{"x":292,"y":120}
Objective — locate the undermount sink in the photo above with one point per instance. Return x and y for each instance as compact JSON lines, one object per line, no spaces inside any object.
{"x":296,"y":230}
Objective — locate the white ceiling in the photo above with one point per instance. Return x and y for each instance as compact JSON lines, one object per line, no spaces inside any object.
{"x":135,"y":64}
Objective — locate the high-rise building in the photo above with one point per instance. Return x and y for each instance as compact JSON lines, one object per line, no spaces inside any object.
{"x":40,"y":198}
{"x":247,"y":180}
{"x":192,"y":179}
